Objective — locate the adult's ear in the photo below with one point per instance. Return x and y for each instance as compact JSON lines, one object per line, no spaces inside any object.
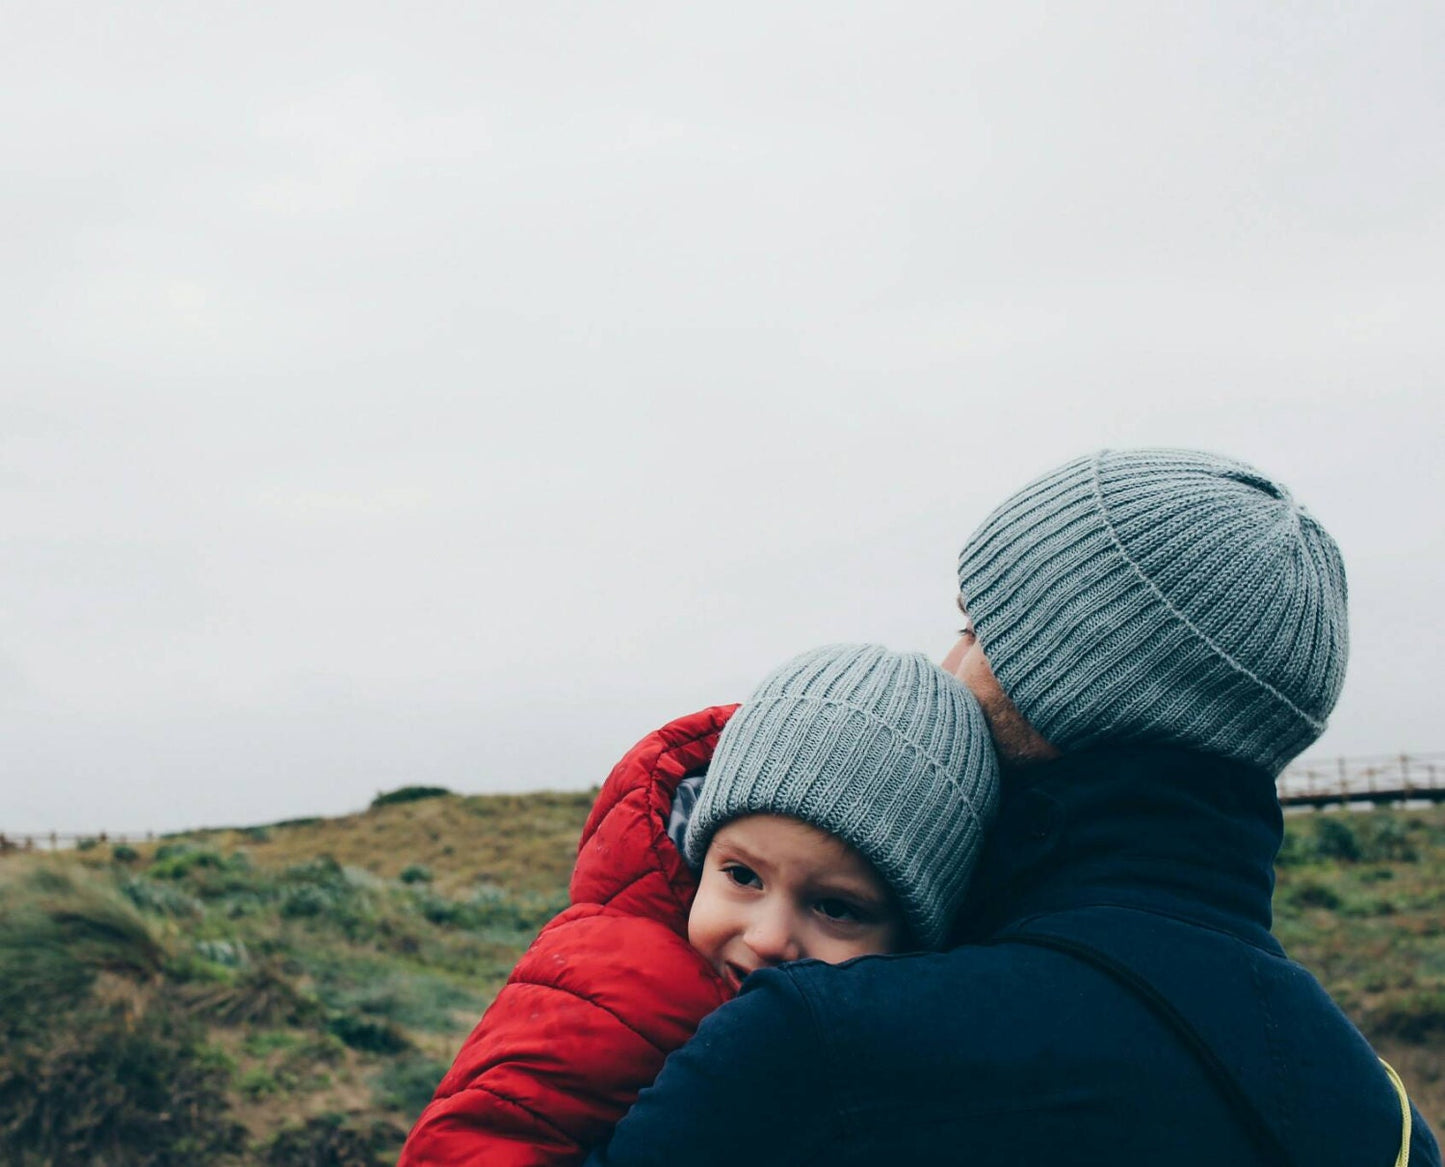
{"x":1018,"y":743}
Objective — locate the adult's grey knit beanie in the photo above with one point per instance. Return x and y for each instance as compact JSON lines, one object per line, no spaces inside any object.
{"x":882,"y":749}
{"x":1165,"y":596}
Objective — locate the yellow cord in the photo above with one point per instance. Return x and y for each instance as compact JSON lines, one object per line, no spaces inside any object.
{"x":1403,"y":1159}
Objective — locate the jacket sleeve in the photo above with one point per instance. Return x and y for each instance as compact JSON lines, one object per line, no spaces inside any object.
{"x":750,"y":1087}
{"x":583,"y":1024}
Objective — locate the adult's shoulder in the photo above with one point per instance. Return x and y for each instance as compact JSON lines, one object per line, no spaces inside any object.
{"x":991,"y":969}
{"x":747,"y":1087}
{"x":877,"y":1008}
{"x":820,"y":1058}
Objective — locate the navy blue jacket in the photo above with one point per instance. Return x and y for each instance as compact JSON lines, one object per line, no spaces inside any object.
{"x":997,"y":1053}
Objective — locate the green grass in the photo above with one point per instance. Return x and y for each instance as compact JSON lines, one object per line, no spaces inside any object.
{"x":1360,"y":901}
{"x":291,"y":994}
{"x":299,"y":983}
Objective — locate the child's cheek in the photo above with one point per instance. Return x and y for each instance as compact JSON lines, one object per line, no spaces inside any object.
{"x":702,"y":922}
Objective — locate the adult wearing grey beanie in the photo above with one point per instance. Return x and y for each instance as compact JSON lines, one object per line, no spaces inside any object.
{"x":1154,"y":595}
{"x":1155,"y":633}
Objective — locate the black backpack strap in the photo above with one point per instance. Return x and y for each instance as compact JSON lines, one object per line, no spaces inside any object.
{"x":1245,"y":1110}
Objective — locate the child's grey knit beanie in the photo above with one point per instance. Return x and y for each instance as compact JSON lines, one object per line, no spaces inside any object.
{"x":1161,"y":595}
{"x":882,"y":749}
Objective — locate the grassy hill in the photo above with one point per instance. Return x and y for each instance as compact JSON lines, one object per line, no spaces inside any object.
{"x":1360,"y":901}
{"x":290,"y":994}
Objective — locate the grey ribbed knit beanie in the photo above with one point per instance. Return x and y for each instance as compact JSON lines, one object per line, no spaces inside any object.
{"x":1161,"y":595}
{"x":882,"y":749}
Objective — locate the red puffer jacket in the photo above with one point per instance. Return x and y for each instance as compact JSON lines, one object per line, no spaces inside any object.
{"x":606,"y":991}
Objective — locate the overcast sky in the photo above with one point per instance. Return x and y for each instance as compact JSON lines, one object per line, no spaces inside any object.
{"x":451,"y":393}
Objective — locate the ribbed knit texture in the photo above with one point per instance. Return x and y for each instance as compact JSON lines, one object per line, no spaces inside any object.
{"x":882,"y":749}
{"x":1162,"y":595}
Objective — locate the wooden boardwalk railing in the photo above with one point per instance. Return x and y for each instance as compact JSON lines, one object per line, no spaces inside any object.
{"x":1320,"y":782}
{"x":55,"y":840}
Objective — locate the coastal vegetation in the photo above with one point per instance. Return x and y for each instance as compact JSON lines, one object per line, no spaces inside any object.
{"x":290,"y":994}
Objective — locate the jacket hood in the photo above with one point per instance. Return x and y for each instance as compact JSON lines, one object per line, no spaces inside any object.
{"x":625,"y":859}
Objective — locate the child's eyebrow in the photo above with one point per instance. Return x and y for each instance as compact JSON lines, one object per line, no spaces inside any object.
{"x":959,"y":600}
{"x":853,"y":891}
{"x":737,"y":851}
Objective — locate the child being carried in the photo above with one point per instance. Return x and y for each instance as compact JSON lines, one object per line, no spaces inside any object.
{"x":837,"y":813}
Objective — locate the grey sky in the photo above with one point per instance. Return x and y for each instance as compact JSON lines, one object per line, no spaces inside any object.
{"x":453,"y":392}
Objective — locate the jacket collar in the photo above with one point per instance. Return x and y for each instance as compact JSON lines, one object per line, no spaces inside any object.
{"x":1153,"y":827}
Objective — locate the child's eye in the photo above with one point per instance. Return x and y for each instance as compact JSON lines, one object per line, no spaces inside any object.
{"x":840,"y":910}
{"x":742,"y":875}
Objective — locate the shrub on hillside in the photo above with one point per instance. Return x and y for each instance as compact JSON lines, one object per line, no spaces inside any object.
{"x":1314,"y":895}
{"x":161,"y":899}
{"x":324,"y":891}
{"x":445,"y":912}
{"x":414,"y":1000}
{"x":1385,"y":839}
{"x":368,"y":1035}
{"x":1381,"y":836}
{"x":334,"y":1140}
{"x":1418,"y":1017}
{"x":109,"y":1086}
{"x":325,"y":1049}
{"x":489,"y":910}
{"x":408,"y":794}
{"x":56,"y":934}
{"x":322,"y":870}
{"x":38,"y":981}
{"x":415,"y":873}
{"x":348,"y":910}
{"x":262,"y":996}
{"x":407,"y":1084}
{"x":300,"y":903}
{"x":524,"y":912}
{"x":178,"y":860}
{"x":1294,"y":848}
{"x":226,"y":953}
{"x":104,"y":933}
{"x":1336,"y":839}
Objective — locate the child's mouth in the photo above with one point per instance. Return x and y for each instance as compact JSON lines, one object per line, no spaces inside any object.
{"x":734,"y":975}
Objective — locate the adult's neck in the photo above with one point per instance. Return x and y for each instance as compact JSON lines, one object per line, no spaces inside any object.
{"x":1152,"y":827}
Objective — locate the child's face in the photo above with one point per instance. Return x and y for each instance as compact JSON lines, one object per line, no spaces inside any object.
{"x":776,"y":889}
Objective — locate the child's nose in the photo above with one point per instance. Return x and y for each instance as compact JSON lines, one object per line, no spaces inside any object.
{"x":772,"y":938}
